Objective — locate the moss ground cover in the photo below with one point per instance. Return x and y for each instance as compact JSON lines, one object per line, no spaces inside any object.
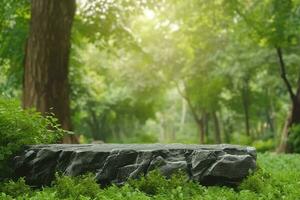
{"x":278,"y":177}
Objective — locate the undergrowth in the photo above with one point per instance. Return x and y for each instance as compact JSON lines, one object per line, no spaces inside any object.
{"x":20,"y":127}
{"x":278,"y":177}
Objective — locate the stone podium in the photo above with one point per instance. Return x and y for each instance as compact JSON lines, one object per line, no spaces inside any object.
{"x":116,"y":163}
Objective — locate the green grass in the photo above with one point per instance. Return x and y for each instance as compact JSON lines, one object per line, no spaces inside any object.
{"x":278,"y":177}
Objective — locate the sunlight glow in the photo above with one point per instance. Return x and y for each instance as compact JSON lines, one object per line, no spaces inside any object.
{"x":174,"y":27}
{"x":149,"y":14}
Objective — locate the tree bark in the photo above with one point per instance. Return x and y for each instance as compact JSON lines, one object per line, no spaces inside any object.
{"x":46,"y":86}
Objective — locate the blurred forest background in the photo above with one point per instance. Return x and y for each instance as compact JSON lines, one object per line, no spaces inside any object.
{"x":188,"y":71}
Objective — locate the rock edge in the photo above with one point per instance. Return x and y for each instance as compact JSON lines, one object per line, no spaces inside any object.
{"x":116,"y":163}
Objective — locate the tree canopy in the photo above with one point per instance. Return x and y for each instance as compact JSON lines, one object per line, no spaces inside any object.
{"x":174,"y":71}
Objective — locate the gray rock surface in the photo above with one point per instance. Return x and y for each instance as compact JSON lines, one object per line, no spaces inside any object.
{"x":116,"y":163}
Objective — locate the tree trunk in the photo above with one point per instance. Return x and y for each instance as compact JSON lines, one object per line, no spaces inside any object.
{"x":183,"y":115}
{"x":246,"y":103}
{"x":269,"y":113}
{"x":228,"y":130}
{"x":201,"y":129}
{"x":270,"y":120}
{"x":46,"y":85}
{"x":206,"y":124}
{"x":283,"y":146}
{"x":292,"y":120}
{"x":201,"y":121}
{"x":217,"y":128}
{"x":94,"y":124}
{"x":162,"y":133}
{"x":294,"y":116}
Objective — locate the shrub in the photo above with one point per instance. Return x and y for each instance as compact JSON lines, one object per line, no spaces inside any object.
{"x":20,"y":127}
{"x":264,"y":145}
{"x":277,"y":178}
{"x":175,"y":187}
{"x":255,"y":182}
{"x":74,"y":187}
{"x":15,"y":189}
{"x":125,"y":192}
{"x":150,"y":184}
{"x":4,"y":196}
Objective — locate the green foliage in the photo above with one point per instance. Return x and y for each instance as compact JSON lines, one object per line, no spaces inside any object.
{"x":15,"y":189}
{"x":264,"y":145}
{"x":154,"y":183}
{"x":143,"y":138}
{"x":277,"y":178}
{"x":255,"y":183}
{"x":125,"y":192}
{"x":294,"y":138}
{"x":70,"y":187}
{"x":107,"y":104}
{"x":242,"y":139}
{"x":14,"y":20}
{"x":159,"y":187}
{"x":128,"y":57}
{"x":20,"y":127}
{"x":134,"y":65}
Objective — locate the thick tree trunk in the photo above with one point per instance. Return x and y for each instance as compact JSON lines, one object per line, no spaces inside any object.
{"x":217,"y":128}
{"x":46,"y":85}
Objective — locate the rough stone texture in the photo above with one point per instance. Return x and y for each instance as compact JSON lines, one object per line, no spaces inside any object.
{"x":115,"y":163}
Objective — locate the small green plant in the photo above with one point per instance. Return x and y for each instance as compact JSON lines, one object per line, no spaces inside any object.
{"x":154,"y":183}
{"x":74,"y":187}
{"x":15,"y":189}
{"x":256,"y":181}
{"x":150,"y":184}
{"x":20,"y":127}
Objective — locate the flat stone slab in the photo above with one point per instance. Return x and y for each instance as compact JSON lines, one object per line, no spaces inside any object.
{"x":116,"y":163}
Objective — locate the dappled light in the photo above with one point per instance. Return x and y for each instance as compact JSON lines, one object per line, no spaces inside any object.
{"x":203,"y":72}
{"x":168,"y":71}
